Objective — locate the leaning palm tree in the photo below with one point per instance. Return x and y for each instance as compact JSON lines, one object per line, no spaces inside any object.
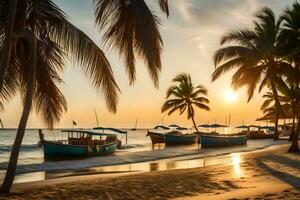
{"x":184,"y":97}
{"x":257,"y":56}
{"x":35,"y":39}
{"x":42,"y":40}
{"x":132,"y":28}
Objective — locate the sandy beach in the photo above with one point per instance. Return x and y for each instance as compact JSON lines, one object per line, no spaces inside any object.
{"x":264,"y":174}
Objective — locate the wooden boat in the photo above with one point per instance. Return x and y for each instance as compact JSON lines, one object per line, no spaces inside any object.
{"x":222,"y":141}
{"x":176,"y":138}
{"x":156,"y":138}
{"x":79,"y":143}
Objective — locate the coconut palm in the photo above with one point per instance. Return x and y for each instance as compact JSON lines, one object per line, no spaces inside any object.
{"x":42,"y":39}
{"x":35,"y":39}
{"x":292,"y":92}
{"x":257,"y":56}
{"x":184,"y":97}
{"x":131,"y":27}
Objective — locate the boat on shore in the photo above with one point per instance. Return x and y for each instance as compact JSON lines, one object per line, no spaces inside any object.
{"x":208,"y":141}
{"x":177,"y":138}
{"x":80,"y":143}
{"x":156,"y":138}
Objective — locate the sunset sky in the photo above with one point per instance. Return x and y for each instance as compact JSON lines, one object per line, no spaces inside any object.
{"x":191,"y":36}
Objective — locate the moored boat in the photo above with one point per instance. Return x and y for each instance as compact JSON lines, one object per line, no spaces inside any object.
{"x":176,"y":138}
{"x":80,"y":143}
{"x":208,"y":141}
{"x":156,"y":138}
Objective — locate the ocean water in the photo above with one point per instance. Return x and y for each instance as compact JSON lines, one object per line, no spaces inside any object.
{"x":31,"y":153}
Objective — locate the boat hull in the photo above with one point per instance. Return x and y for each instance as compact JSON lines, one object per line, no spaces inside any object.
{"x":180,"y":139}
{"x":156,"y":138}
{"x":52,"y":149}
{"x":208,"y":141}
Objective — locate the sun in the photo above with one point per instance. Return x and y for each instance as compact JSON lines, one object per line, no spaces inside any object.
{"x":230,"y":96}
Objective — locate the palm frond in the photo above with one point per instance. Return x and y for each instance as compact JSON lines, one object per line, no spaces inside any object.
{"x":164,"y":6}
{"x":82,"y":49}
{"x":131,"y":28}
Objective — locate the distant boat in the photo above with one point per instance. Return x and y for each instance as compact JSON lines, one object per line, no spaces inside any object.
{"x":176,"y":138}
{"x":222,"y":141}
{"x":79,"y":143}
{"x":135,"y":127}
{"x":156,"y":138}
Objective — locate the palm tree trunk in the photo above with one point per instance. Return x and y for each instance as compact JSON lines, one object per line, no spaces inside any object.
{"x":292,"y":134}
{"x":7,"y":46}
{"x":277,"y":107}
{"x":195,"y":124}
{"x":295,"y":146}
{"x":11,"y":169}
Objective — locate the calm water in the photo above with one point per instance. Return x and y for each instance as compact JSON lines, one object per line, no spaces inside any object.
{"x":31,"y":153}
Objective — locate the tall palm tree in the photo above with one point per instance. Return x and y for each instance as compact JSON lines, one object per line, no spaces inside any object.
{"x":257,"y":56}
{"x":35,"y":39}
{"x":131,"y":27}
{"x":292,"y":92}
{"x":184,"y":97}
{"x":42,"y":39}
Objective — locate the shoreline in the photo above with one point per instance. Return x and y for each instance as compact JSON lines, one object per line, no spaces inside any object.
{"x":174,"y":153}
{"x":251,"y":175}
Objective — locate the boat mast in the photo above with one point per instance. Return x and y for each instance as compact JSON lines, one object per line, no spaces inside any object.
{"x":135,"y":123}
{"x":96,"y":117}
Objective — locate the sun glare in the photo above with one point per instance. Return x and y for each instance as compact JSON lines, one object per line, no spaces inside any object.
{"x":230,"y":96}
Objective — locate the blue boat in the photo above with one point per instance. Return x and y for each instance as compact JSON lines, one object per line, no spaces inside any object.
{"x":208,"y":141}
{"x":81,"y":143}
{"x":179,"y":139}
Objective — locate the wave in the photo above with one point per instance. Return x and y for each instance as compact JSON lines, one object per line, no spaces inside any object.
{"x":24,"y":148}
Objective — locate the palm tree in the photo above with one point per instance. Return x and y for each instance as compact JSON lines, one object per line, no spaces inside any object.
{"x":185,"y":97}
{"x":35,"y":39}
{"x":131,"y":27}
{"x":287,"y":104}
{"x":292,"y":92}
{"x":258,"y":57}
{"x":42,"y":38}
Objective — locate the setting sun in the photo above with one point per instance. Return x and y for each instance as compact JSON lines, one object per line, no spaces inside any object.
{"x":230,"y":96}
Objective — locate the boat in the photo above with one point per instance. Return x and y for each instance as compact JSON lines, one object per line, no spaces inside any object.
{"x":177,"y":138}
{"x":156,"y":138}
{"x":221,"y":141}
{"x":135,"y":127}
{"x":80,"y":143}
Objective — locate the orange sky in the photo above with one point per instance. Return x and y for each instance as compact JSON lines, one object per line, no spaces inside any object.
{"x":191,"y":36}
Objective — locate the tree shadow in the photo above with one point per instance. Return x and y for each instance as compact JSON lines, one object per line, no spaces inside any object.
{"x":283,"y":176}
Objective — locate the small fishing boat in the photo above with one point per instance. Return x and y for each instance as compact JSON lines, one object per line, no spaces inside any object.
{"x":208,"y":141}
{"x":177,"y":138}
{"x":156,"y":138}
{"x":80,"y":143}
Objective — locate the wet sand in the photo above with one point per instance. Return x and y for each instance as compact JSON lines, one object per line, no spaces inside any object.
{"x":267,"y":174}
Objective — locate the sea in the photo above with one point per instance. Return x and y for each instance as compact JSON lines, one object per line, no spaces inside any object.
{"x":135,"y":151}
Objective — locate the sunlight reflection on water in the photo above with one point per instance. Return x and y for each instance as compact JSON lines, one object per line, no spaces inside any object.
{"x":236,"y":160}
